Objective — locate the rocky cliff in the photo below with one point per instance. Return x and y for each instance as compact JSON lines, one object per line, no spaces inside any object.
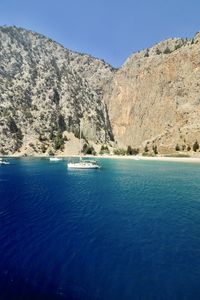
{"x":46,"y":90}
{"x":154,"y":99}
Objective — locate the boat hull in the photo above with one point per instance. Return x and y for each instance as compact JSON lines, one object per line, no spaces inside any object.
{"x":55,"y":159}
{"x":82,"y":166}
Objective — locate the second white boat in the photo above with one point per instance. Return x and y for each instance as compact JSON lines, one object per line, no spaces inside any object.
{"x":84,"y":164}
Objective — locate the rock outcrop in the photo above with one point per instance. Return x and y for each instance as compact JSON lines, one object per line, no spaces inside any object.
{"x":46,"y":89}
{"x":154,"y":99}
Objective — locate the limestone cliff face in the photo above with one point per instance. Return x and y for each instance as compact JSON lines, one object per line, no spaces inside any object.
{"x":154,"y":98}
{"x":45,"y":89}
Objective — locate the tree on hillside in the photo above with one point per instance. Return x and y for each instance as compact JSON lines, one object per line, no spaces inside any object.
{"x":158,"y":52}
{"x":155,"y":149}
{"x":132,"y":151}
{"x":58,"y":142}
{"x":104,"y":150}
{"x":195,"y":146}
{"x":167,"y":50}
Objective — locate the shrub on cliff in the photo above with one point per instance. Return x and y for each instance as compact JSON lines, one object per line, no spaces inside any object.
{"x":155,"y":149}
{"x":43,"y":148}
{"x":167,"y":50}
{"x":87,"y":149}
{"x":132,"y":151}
{"x":51,"y":153}
{"x":195,"y":146}
{"x":104,"y":150}
{"x":58,"y":142}
{"x":158,"y":52}
{"x":12,"y":125}
{"x":119,"y":151}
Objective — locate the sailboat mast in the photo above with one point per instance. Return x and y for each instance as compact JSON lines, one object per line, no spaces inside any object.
{"x":80,"y":142}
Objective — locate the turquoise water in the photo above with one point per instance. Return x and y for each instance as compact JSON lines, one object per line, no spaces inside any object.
{"x":128,"y":231}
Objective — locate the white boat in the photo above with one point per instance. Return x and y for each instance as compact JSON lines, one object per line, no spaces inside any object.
{"x":83,"y":164}
{"x":55,"y":158}
{"x":4,"y":162}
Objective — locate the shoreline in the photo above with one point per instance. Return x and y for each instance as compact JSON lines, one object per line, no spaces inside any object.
{"x":123,"y":157}
{"x":152,"y":158}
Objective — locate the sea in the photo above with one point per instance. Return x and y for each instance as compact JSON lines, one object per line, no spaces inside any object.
{"x":130,"y":230}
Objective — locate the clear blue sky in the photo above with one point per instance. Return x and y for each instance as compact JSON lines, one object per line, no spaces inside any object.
{"x":107,"y":29}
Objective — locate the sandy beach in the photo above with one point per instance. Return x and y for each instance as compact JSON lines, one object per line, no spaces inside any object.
{"x":126,"y":157}
{"x":152,"y":158}
{"x":140,"y":157}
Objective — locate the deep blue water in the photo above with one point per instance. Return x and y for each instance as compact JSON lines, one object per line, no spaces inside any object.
{"x":128,"y":231}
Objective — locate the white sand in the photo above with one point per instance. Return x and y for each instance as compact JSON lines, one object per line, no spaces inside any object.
{"x":152,"y":158}
{"x":137,"y":157}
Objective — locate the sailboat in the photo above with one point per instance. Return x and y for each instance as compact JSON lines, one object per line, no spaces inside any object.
{"x":83,"y":164}
{"x":55,"y":158}
{"x":4,"y":162}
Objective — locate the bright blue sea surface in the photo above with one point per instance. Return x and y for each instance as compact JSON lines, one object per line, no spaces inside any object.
{"x":128,"y":231}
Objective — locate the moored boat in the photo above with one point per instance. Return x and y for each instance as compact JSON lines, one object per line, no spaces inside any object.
{"x":83,"y":164}
{"x":4,"y":162}
{"x":55,"y":158}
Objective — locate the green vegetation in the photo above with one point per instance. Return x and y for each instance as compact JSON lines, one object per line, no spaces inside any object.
{"x":132,"y":151}
{"x":51,"y":135}
{"x":15,"y":131}
{"x":88,"y":149}
{"x":42,"y":138}
{"x":167,"y":50}
{"x":128,"y":151}
{"x":119,"y":151}
{"x":43,"y":148}
{"x":183,"y":147}
{"x":27,"y":114}
{"x":56,"y":96}
{"x":177,"y":148}
{"x":177,"y":155}
{"x":155,"y":149}
{"x":3,"y":152}
{"x":147,"y":53}
{"x":177,"y":46}
{"x":58,"y":141}
{"x":148,"y":154}
{"x":12,"y":125}
{"x":76,"y":133}
{"x":51,"y":153}
{"x":65,"y":138}
{"x":146,"y":149}
{"x":158,"y":52}
{"x":31,"y":145}
{"x":61,"y":123}
{"x":195,"y":146}
{"x":104,"y":150}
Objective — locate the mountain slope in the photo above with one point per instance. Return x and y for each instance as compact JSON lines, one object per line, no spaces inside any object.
{"x":154,"y":99}
{"x":45,"y":88}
